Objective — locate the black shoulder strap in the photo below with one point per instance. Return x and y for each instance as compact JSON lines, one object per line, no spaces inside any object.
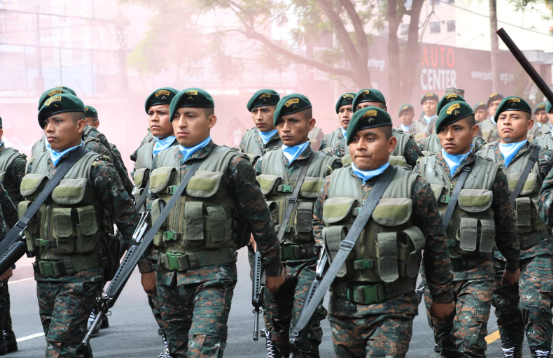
{"x":531,"y":161}
{"x":346,"y":246}
{"x":21,"y":225}
{"x":455,"y":195}
{"x":142,"y":198}
{"x":292,"y":199}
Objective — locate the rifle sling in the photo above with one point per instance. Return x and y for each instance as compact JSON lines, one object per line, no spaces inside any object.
{"x":520,"y":184}
{"x":346,"y":246}
{"x":293,"y":198}
{"x":142,"y":198}
{"x":455,"y":195}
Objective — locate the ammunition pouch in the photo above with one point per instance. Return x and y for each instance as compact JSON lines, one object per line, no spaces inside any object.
{"x":68,"y":265}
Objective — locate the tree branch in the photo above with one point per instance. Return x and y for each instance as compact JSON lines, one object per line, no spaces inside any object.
{"x":358,"y":27}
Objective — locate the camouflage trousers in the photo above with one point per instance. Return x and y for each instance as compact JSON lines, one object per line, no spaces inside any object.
{"x":463,"y":334}
{"x":368,"y":335}
{"x":195,"y":317}
{"x":153,"y":302}
{"x":5,"y":316}
{"x":64,"y":309}
{"x":525,"y":307}
{"x":283,"y":309}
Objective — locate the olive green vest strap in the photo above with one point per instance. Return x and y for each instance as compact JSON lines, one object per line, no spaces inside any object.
{"x":367,"y":294}
{"x":455,"y":195}
{"x":69,"y":265}
{"x":194,"y":260}
{"x":532,"y":159}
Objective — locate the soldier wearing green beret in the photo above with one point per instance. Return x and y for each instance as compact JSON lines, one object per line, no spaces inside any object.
{"x":371,"y":310}
{"x":344,"y":110}
{"x":482,"y":202}
{"x":540,"y":118}
{"x":429,"y":103}
{"x":278,"y":173}
{"x":525,"y":307}
{"x":489,"y":126}
{"x":406,"y":115}
{"x":197,"y":246}
{"x":72,"y":254}
{"x":544,"y":137}
{"x":264,"y":136}
{"x":480,"y":112}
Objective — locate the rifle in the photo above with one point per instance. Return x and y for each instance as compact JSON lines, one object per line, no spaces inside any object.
{"x":257,"y":293}
{"x":298,"y":340}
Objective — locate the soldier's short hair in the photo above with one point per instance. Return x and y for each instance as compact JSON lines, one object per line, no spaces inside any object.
{"x":77,"y":116}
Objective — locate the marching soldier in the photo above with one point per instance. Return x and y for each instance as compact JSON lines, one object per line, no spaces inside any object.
{"x":72,"y":254}
{"x":480,"y":112}
{"x":540,"y":119}
{"x":406,"y":115}
{"x":525,"y":307}
{"x":344,"y":111}
{"x":279,"y":172}
{"x":477,"y":213}
{"x":196,"y":271}
{"x":489,"y":126}
{"x":373,"y":301}
{"x":429,"y":103}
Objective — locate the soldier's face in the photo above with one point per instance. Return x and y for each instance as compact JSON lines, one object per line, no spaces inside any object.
{"x":541,"y":117}
{"x":371,"y":104}
{"x":263,"y":118}
{"x":456,"y":138}
{"x":62,"y":132}
{"x":92,"y":121}
{"x":294,"y":128}
{"x":159,"y":121}
{"x":406,"y":117}
{"x":492,"y":108}
{"x":371,"y":148}
{"x":429,"y":107}
{"x":344,"y":115}
{"x":513,"y":126}
{"x":192,"y":126}
{"x":480,"y":115}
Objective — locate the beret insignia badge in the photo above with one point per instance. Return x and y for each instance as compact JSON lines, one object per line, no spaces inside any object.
{"x":52,"y":99}
{"x":292,"y":101}
{"x":453,"y":108}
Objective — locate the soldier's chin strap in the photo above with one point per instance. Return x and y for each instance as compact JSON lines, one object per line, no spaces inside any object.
{"x":455,"y":195}
{"x":346,"y":246}
{"x":520,"y":184}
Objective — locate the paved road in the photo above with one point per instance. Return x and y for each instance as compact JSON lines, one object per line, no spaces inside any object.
{"x":133,"y":331}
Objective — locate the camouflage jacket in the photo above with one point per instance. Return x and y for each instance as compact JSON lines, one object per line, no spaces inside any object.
{"x":545,"y":163}
{"x":273,"y":143}
{"x":16,"y":171}
{"x":242,"y":185}
{"x":149,"y":137}
{"x":8,"y":213}
{"x":412,"y":129}
{"x":489,"y":130}
{"x":326,"y":142}
{"x":427,"y":217}
{"x":297,"y":164}
{"x":545,"y":204}
{"x":505,"y":225}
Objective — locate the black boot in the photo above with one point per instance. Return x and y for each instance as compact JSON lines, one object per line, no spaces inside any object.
{"x":11,"y":342}
{"x":105,"y":322}
{"x":3,"y":346}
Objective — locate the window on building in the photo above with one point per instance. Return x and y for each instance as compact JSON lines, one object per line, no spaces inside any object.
{"x":451,"y":26}
{"x":435,"y":27}
{"x":404,"y":30}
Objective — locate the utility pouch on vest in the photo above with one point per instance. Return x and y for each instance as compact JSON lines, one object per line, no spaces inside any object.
{"x":141,"y":177}
{"x":32,"y":228}
{"x":253,"y":157}
{"x":310,"y":187}
{"x":304,"y":221}
{"x":157,"y":208}
{"x":477,"y":232}
{"x":63,"y":230}
{"x":194,"y":218}
{"x":411,"y":242}
{"x":333,"y":236}
{"x":524,"y":214}
{"x":439,"y":193}
{"x":398,"y":160}
{"x":73,"y":192}
{"x":530,"y":185}
{"x":32,"y":185}
{"x":273,"y":209}
{"x":268,"y":183}
{"x":386,"y":247}
{"x":161,"y":178}
{"x":346,"y":160}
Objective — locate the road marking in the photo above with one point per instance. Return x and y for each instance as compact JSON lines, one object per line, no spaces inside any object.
{"x":22,"y":280}
{"x":492,"y":337}
{"x":30,"y":337}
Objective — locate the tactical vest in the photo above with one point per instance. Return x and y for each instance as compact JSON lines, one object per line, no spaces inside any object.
{"x":545,"y":141}
{"x":397,"y":157}
{"x":384,"y":262}
{"x":142,"y":167}
{"x":531,"y":228}
{"x":69,"y":231}
{"x":431,"y":145}
{"x":334,"y":138}
{"x":471,"y":230}
{"x":252,"y":148}
{"x":420,"y":128}
{"x":489,"y":130}
{"x":199,"y":229}
{"x":7,"y":156}
{"x":297,"y":242}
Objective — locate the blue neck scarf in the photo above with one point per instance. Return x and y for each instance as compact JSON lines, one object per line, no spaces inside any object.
{"x":266,"y":136}
{"x":539,"y":124}
{"x":292,"y":153}
{"x":56,"y":155}
{"x":453,"y":161}
{"x":162,"y":144}
{"x":405,"y":128}
{"x":428,"y":119}
{"x":369,"y":174}
{"x":509,"y":150}
{"x":344,"y":132}
{"x":187,"y":152}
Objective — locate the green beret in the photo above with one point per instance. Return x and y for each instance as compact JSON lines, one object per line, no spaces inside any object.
{"x":162,"y":95}
{"x":513,"y":103}
{"x":406,"y":108}
{"x":365,"y":118}
{"x":292,"y":103}
{"x":494,"y":97}
{"x":460,"y":92}
{"x":52,"y":92}
{"x":264,"y":97}
{"x":368,"y":95}
{"x":453,"y":112}
{"x":539,"y":107}
{"x":452,"y":97}
{"x":479,"y":105}
{"x":344,"y":100}
{"x":548,"y":107}
{"x":59,"y":103}
{"x":90,"y":112}
{"x":429,"y":96}
{"x":192,"y":98}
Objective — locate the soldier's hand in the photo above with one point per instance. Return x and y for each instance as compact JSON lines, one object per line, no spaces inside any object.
{"x":274,"y":283}
{"x":149,"y":282}
{"x":510,"y":278}
{"x":6,"y":275}
{"x":253,"y":244}
{"x":441,"y":311}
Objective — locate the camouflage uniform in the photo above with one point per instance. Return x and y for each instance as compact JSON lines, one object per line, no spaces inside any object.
{"x":65,"y":302}
{"x":332,"y":139}
{"x":420,"y":128}
{"x":283,"y":307}
{"x":148,"y":138}
{"x":526,"y":306}
{"x":462,"y":334}
{"x":195,"y":303}
{"x":412,"y":129}
{"x":545,"y":140}
{"x":273,"y":143}
{"x":427,"y":146}
{"x":489,"y":130}
{"x":384,"y":329}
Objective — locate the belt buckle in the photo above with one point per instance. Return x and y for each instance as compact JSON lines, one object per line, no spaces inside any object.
{"x":286,"y":188}
{"x":171,"y":189}
{"x":288,"y":252}
{"x":173,"y":261}
{"x":169,"y":235}
{"x":371,"y":294}
{"x":47,"y":269}
{"x":41,"y":243}
{"x":444,"y":199}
